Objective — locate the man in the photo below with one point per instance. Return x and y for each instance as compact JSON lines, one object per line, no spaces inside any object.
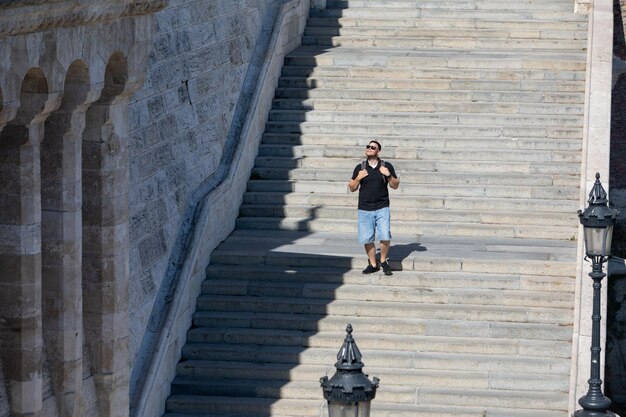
{"x":371,"y":178}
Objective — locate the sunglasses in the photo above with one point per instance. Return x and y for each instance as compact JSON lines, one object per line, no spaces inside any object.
{"x":374,"y":148}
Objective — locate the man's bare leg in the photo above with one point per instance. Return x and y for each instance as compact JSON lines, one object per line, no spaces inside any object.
{"x":370,"y":249}
{"x":384,"y":249}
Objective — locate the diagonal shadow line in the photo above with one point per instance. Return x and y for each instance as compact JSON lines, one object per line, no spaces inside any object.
{"x":278,"y":350}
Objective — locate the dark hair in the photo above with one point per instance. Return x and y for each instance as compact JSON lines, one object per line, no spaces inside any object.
{"x":380,"y":148}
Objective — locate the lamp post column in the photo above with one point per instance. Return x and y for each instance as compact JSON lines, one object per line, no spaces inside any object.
{"x":595,"y":403}
{"x":598,"y":221}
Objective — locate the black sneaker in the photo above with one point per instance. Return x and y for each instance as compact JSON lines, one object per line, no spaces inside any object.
{"x":371,"y":269}
{"x":386,"y":267}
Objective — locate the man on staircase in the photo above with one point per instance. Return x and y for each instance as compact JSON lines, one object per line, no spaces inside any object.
{"x":371,"y":177}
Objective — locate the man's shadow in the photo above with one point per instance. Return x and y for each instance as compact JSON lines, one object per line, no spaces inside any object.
{"x":402,"y":251}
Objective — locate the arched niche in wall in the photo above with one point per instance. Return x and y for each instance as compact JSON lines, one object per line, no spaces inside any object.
{"x":20,"y":248}
{"x":62,"y":241}
{"x":105,"y":240}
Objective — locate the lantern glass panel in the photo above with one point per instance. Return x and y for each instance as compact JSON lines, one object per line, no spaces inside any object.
{"x":336,"y":409}
{"x":598,"y":240}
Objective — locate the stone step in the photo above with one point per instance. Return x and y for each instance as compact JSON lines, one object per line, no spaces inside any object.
{"x":418,"y":202}
{"x":381,"y":292}
{"x":315,"y":56}
{"x":400,"y":383}
{"x":410,"y":173}
{"x":303,"y":276}
{"x":413,"y":154}
{"x":530,"y":34}
{"x":466,"y":4}
{"x":413,"y":366}
{"x":396,"y":293}
{"x":441,"y":96}
{"x":430,"y":84}
{"x":284,"y":389}
{"x":423,"y":130}
{"x":442,"y":23}
{"x":430,"y":118}
{"x":560,"y":172}
{"x":400,"y":326}
{"x":410,"y":106}
{"x":380,"y":409}
{"x":421,"y":215}
{"x":438,"y":190}
{"x":544,"y":257}
{"x":493,"y":398}
{"x":391,"y":142}
{"x":434,"y":344}
{"x":432,"y":42}
{"x":390,"y":410}
{"x":241,"y":406}
{"x":407,"y":72}
{"x":446,"y":228}
{"x":351,"y":309}
{"x":301,"y":390}
{"x":414,"y":159}
{"x":424,"y":254}
{"x":449,"y":396}
{"x":457,"y":248}
{"x":563,"y":13}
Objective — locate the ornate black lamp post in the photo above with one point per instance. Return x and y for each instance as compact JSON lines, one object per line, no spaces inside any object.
{"x":598,"y":221}
{"x":349,"y":393}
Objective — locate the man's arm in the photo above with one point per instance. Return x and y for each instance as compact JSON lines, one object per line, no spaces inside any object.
{"x":353,"y":185}
{"x":394,"y":182}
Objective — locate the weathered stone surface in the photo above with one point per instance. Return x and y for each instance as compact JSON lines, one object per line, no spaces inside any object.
{"x":178,"y":123}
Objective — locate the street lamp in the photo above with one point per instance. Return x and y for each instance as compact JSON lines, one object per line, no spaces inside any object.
{"x":349,"y":393}
{"x":598,"y":221}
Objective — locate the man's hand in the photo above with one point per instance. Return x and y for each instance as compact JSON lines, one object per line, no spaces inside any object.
{"x":353,"y":185}
{"x":393,"y":181}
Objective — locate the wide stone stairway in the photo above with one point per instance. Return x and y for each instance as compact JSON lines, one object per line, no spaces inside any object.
{"x":479,"y":106}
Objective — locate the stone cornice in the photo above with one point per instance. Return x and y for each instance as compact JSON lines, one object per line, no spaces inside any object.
{"x":27,"y":16}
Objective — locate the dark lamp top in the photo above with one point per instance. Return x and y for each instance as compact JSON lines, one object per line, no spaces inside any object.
{"x":349,"y":384}
{"x":598,"y":214}
{"x":349,"y":356}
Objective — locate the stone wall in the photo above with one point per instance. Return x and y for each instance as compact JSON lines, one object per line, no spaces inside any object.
{"x":615,"y":375}
{"x":66,"y":76}
{"x":178,"y":125}
{"x":617,"y":178}
{"x":196,"y":127}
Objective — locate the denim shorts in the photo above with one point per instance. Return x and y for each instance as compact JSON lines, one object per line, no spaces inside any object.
{"x":377,"y":221}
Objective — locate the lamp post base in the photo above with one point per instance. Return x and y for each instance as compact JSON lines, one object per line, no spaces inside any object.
{"x":587,"y":413}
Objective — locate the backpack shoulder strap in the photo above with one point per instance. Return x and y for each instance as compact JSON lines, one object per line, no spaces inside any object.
{"x":383,"y":163}
{"x":363,"y":162}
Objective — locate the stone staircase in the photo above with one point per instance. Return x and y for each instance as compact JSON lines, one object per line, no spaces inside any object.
{"x":479,"y":106}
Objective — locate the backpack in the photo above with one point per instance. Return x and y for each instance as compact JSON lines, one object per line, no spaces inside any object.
{"x":363,"y":162}
{"x":382,"y":164}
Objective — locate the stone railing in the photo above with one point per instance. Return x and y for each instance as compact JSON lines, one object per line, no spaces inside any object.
{"x":212,"y":211}
{"x":595,"y":158}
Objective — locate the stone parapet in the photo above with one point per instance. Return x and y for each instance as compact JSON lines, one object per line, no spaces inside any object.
{"x":20,"y":17}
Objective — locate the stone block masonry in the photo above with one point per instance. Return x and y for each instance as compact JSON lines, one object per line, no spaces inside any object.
{"x":66,"y":76}
{"x":195,"y":127}
{"x":178,"y":124}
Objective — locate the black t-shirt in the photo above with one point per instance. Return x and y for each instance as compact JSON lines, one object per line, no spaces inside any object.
{"x":373,"y":191}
